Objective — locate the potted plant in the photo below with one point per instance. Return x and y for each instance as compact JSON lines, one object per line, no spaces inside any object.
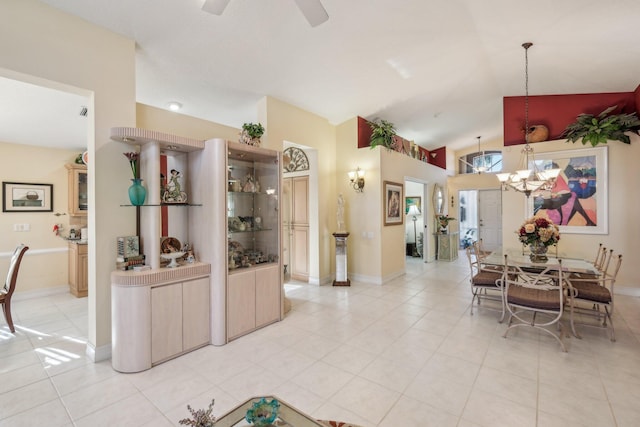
{"x":603,"y":127}
{"x":382,"y":133}
{"x":251,"y":133}
{"x":444,"y":221}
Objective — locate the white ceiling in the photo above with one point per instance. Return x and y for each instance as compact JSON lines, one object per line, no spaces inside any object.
{"x":438,"y":69}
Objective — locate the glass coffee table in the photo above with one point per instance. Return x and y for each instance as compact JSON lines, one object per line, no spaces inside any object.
{"x":287,"y":415}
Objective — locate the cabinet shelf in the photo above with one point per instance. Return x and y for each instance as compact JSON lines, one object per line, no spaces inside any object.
{"x":184,"y":205}
{"x":249,"y":231}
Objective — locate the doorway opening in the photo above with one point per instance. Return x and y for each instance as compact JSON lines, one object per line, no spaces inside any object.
{"x":480,"y":213}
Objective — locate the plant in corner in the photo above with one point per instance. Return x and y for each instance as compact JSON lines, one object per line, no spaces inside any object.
{"x":382,"y":133}
{"x":598,"y":129}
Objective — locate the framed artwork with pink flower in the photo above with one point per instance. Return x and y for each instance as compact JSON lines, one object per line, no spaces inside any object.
{"x":577,"y":203}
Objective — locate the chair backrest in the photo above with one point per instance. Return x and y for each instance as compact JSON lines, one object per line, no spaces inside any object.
{"x":14,"y":266}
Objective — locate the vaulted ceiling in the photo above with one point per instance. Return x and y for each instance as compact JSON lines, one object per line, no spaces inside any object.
{"x":438,"y":69}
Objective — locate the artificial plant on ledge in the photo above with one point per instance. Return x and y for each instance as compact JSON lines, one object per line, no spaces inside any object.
{"x":382,"y":133}
{"x":603,"y":127}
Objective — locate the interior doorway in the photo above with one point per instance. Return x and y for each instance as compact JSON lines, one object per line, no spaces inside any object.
{"x":416,"y":227}
{"x":480,"y":217}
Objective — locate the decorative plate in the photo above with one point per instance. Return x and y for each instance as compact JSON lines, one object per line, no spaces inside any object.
{"x":85,"y":157}
{"x":170,"y":244}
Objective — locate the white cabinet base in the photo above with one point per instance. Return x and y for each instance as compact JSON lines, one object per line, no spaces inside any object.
{"x":157,"y":315}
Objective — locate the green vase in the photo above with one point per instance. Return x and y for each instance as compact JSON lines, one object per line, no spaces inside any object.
{"x":137,"y":193}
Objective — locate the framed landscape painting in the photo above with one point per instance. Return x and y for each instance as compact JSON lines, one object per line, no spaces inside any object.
{"x":23,"y":197}
{"x":393,"y":198}
{"x":578,"y":200}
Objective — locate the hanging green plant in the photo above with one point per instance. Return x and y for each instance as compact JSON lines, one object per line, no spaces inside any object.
{"x":603,"y":127}
{"x":382,"y":134}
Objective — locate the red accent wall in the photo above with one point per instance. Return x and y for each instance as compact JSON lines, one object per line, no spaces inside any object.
{"x":164,"y":209}
{"x":364,"y":138}
{"x":557,"y":111}
{"x":364,"y":133}
{"x":440,"y":158}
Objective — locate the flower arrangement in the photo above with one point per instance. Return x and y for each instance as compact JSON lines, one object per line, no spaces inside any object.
{"x":201,"y":417}
{"x":133,"y":161}
{"x":538,"y":230}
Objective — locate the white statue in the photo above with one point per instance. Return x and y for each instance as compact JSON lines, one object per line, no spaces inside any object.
{"x":340,"y":213}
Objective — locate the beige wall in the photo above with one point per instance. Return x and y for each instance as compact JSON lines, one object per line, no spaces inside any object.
{"x":381,"y":257}
{"x":42,"y":45}
{"x":286,"y":122}
{"x":623,"y":203}
{"x":45,"y":264}
{"x":148,"y":117}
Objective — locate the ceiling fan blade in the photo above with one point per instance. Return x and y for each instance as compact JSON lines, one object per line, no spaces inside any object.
{"x":215,"y":6}
{"x":313,"y":11}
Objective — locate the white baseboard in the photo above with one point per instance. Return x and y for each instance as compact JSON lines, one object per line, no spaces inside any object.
{"x":628,"y":291}
{"x":98,"y":354}
{"x":38,"y":293}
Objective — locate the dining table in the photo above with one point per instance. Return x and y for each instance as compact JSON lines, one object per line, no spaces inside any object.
{"x":520,"y":263}
{"x":516,"y":259}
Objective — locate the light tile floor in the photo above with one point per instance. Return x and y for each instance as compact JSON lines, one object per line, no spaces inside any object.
{"x":406,"y":353}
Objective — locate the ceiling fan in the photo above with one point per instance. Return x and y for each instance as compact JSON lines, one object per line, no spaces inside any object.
{"x":311,"y":9}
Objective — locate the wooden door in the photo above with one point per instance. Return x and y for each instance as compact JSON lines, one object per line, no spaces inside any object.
{"x":299,"y":256}
{"x":268,"y":295}
{"x":195,"y":309}
{"x":241,"y":303}
{"x":166,"y":321}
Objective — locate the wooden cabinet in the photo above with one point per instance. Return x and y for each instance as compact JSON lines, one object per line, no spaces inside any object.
{"x":179,"y":318}
{"x":77,"y":196}
{"x":78,"y":269}
{"x":166,"y":321}
{"x":158,"y":315}
{"x":253,"y":300}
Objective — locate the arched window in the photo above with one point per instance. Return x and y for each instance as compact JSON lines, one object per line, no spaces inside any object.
{"x":484,"y":161}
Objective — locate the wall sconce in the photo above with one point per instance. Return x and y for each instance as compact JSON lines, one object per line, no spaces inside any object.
{"x":357,"y":179}
{"x":433,"y":155}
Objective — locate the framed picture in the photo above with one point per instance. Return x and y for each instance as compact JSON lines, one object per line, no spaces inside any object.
{"x":23,"y":197}
{"x":578,"y":200}
{"x":392,"y":204}
{"x":412,"y":201}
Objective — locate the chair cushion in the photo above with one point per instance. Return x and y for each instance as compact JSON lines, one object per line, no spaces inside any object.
{"x":592,"y":291}
{"x":533,"y":298}
{"x":486,"y":278}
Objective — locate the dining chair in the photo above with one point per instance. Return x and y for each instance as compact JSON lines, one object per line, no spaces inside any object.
{"x":593,"y":296}
{"x":10,"y":284}
{"x":535,"y":300}
{"x":484,"y":281}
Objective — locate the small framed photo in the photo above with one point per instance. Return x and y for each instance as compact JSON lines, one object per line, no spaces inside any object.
{"x":392,"y":203}
{"x":24,"y":197}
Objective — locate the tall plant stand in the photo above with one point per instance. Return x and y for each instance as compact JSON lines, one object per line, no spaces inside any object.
{"x":341,"y":260}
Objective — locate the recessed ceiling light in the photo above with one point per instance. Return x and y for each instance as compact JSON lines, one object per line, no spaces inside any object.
{"x":174,"y":106}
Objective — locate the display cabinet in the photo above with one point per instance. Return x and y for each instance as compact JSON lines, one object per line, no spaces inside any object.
{"x":253,"y":235}
{"x":78,"y":198}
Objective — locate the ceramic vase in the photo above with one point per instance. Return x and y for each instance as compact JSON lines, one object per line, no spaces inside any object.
{"x":137,"y":193}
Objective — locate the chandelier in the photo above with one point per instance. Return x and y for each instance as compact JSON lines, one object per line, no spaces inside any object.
{"x":527,"y":180}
